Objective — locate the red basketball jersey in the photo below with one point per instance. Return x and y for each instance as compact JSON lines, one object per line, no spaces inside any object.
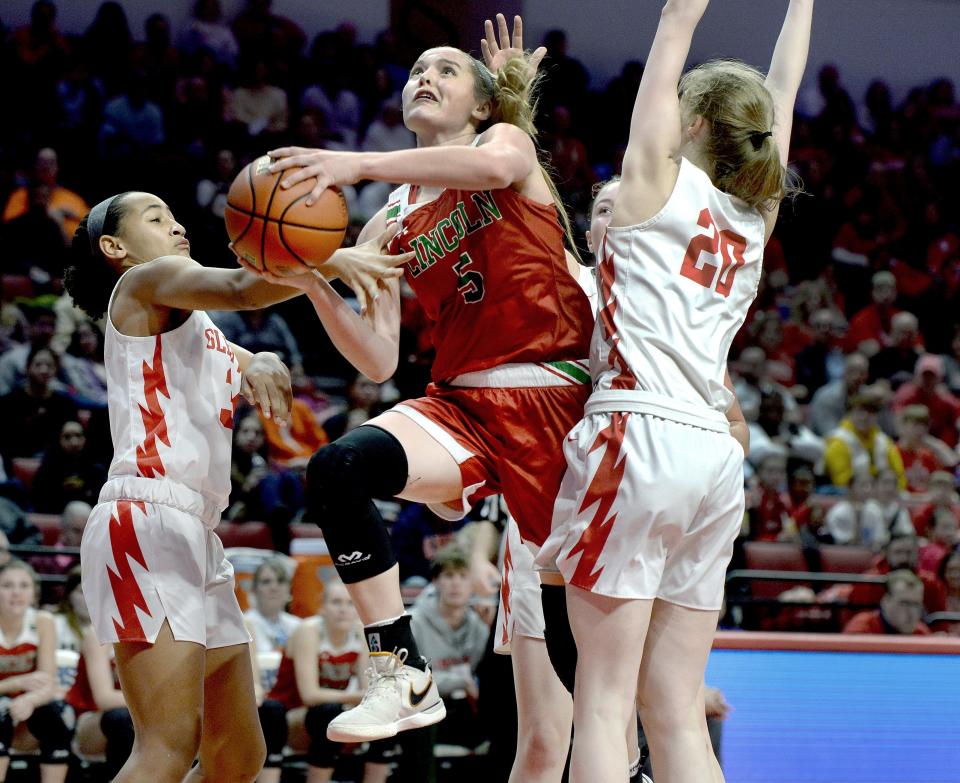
{"x":491,"y":275}
{"x":80,"y":695}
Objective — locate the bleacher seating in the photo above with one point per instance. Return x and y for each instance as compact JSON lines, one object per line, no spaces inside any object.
{"x":246,"y":534}
{"x":845,"y":559}
{"x":773,"y":556}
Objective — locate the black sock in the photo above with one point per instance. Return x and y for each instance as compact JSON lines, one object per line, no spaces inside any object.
{"x":393,"y":636}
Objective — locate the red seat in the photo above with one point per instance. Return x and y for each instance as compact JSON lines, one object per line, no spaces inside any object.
{"x":250,"y":534}
{"x":15,"y":286}
{"x":24,"y":469}
{"x":773,"y":556}
{"x":49,"y":525}
{"x":844,"y":559}
{"x":301,"y":530}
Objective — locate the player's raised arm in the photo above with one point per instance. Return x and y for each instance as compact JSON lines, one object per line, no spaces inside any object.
{"x":786,"y":70}
{"x":650,"y":162}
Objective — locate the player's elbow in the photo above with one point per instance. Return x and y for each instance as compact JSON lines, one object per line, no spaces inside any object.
{"x":382,"y":370}
{"x":504,"y":168}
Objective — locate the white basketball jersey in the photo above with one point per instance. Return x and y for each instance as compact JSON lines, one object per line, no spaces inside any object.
{"x":171,"y":399}
{"x":673,"y":293}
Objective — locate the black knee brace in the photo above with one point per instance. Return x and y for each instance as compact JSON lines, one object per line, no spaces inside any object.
{"x":558,"y":635}
{"x":53,"y":724}
{"x":343,"y":478}
{"x":322,"y":752}
{"x":273,"y":721}
{"x":117,"y":727}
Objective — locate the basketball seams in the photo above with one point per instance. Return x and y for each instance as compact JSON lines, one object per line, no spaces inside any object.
{"x":263,"y":233}
{"x":253,"y":215}
{"x":253,"y":206}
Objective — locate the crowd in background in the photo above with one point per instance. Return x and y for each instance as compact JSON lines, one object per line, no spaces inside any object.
{"x":848,"y":368}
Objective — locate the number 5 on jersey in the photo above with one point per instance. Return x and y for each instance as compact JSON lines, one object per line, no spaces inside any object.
{"x":726,"y":244}
{"x":469,"y":281}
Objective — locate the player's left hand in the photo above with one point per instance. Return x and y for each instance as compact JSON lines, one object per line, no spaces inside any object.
{"x":328,"y":166}
{"x":496,"y":53}
{"x":266,"y":384}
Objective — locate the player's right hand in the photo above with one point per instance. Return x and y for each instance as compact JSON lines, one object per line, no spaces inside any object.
{"x":496,"y":53}
{"x":364,"y":266}
{"x":266,"y":384}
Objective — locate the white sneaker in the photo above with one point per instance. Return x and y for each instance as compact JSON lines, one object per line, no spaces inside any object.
{"x":398,"y":698}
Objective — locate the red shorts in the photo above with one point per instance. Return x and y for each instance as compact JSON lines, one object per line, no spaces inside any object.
{"x":506,"y":440}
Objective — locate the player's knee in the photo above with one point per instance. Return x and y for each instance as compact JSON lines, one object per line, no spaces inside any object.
{"x":541,"y":749}
{"x":664,"y":711}
{"x":169,"y":747}
{"x":334,"y":473}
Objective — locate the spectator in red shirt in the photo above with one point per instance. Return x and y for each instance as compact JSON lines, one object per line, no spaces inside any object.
{"x":807,"y":517}
{"x":945,"y":593}
{"x":768,"y":506}
{"x":900,"y":612}
{"x":940,"y":494}
{"x":896,"y":362}
{"x":901,"y":552}
{"x":871,"y":326}
{"x":923,"y":455}
{"x":927,"y":388}
{"x":942,"y":538}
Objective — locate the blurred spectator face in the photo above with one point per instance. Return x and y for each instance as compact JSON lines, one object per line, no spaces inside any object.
{"x":753,"y":364}
{"x":904,"y":330}
{"x":600,"y":214}
{"x":339,"y":613}
{"x":226,"y":165}
{"x":916,"y":423}
{"x":861,"y":487}
{"x":271,"y":586}
{"x":772,"y":473}
{"x":863,"y":419}
{"x":42,"y":369}
{"x":364,"y":393}
{"x":453,"y":587}
{"x":770,"y":336}
{"x":770,"y":414}
{"x":157,"y":31}
{"x":884,"y":290}
{"x":941,"y":488}
{"x":951,"y":571}
{"x":72,"y":522}
{"x":903,"y":553}
{"x":88,"y":338}
{"x":822,"y":325}
{"x":943,"y":528}
{"x":43,"y":15}
{"x":72,"y":438}
{"x":4,"y":548}
{"x":887,"y":489}
{"x":46,"y":167}
{"x":79,"y":604}
{"x":929,"y":372}
{"x":902,"y":606}
{"x":856,"y":370}
{"x":248,"y":437}
{"x":801,"y":485}
{"x":17,"y":591}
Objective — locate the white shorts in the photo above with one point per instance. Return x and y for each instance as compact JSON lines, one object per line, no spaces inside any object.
{"x":648,"y":508}
{"x":521,"y":610}
{"x":149,"y":554}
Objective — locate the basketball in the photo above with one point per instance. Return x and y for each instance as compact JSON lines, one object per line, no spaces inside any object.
{"x":273,"y":229}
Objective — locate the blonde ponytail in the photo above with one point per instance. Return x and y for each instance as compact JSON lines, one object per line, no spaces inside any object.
{"x":743,"y":156}
{"x":513,"y":100}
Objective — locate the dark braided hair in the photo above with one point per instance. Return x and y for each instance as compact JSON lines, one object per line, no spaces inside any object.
{"x":89,"y":278}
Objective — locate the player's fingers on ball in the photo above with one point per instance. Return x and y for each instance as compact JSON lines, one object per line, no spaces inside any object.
{"x":323,"y":182}
{"x":277,"y":394}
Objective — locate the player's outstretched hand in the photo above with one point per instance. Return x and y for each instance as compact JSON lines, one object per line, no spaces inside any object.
{"x":328,"y":166}
{"x":266,"y":384}
{"x":365,"y":267}
{"x":496,"y":53}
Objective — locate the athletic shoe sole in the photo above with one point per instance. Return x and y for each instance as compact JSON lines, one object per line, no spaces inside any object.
{"x":375,"y":731}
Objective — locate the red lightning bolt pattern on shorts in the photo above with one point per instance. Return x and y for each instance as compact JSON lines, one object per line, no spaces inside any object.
{"x":652,"y":498}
